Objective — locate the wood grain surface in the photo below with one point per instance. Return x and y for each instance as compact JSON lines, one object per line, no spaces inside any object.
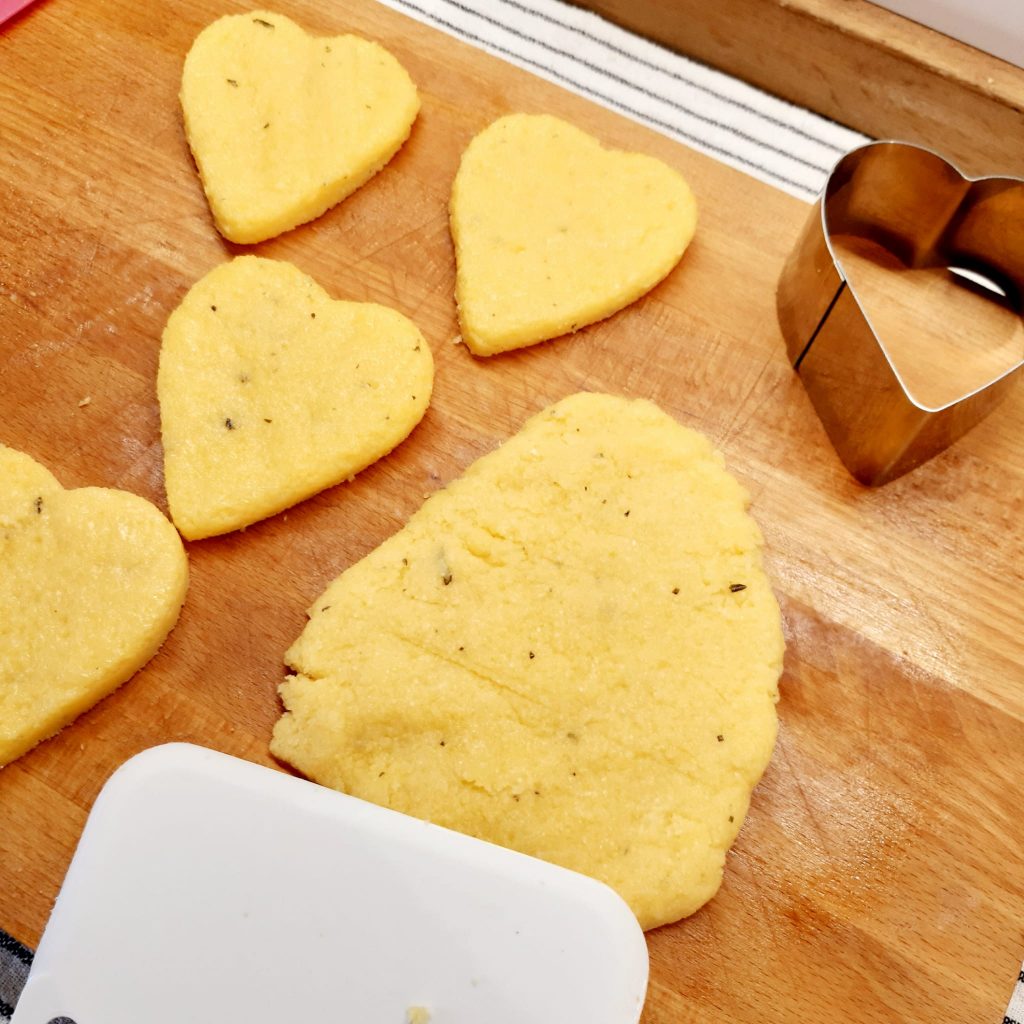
{"x":880,"y":874}
{"x":878,"y":72}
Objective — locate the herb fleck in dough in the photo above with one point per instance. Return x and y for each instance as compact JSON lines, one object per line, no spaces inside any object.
{"x":525,"y":663}
{"x":553,"y":232}
{"x":270,"y":391}
{"x":283,"y":124}
{"x":91,"y":582}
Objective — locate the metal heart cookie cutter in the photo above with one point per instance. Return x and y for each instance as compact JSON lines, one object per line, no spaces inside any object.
{"x":923,"y":213}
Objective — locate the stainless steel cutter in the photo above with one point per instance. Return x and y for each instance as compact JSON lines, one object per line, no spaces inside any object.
{"x":922,"y":210}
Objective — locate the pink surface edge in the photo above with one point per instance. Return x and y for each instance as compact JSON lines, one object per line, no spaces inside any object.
{"x":9,"y":8}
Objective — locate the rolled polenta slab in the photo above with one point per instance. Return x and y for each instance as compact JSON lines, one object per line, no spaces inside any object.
{"x":91,"y":582}
{"x":572,"y":650}
{"x":271,"y":391}
{"x":283,"y":124}
{"x":552,"y":231}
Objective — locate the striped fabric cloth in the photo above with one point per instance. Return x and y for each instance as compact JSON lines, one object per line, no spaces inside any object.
{"x":15,"y":960}
{"x":784,"y":145}
{"x":1015,"y":1011}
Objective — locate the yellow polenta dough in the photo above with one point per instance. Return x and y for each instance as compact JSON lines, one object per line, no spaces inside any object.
{"x":283,"y":125}
{"x":271,"y":391}
{"x":91,"y":582}
{"x":556,"y":655}
{"x":553,"y":232}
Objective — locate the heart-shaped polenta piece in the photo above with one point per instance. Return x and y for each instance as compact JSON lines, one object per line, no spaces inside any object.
{"x":283,"y":124}
{"x":553,"y":232}
{"x":271,"y":391}
{"x":91,"y":582}
{"x":572,"y":650}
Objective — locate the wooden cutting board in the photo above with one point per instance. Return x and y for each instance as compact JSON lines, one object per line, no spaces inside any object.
{"x":880,"y":875}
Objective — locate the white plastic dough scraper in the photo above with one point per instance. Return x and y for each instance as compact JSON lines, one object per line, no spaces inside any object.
{"x":208,"y":889}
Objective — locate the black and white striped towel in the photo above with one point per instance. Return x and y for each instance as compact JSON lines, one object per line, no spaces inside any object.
{"x":784,"y":145}
{"x":15,"y":961}
{"x":787,"y":146}
{"x":1015,"y":1011}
